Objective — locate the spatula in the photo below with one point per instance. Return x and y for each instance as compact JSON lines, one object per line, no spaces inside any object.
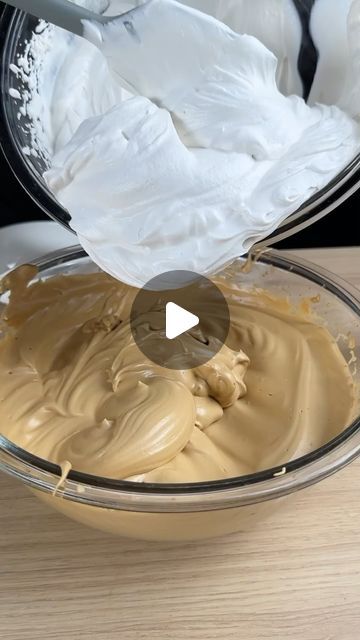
{"x":62,"y":13}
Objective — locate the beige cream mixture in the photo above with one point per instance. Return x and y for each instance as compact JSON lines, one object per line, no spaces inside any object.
{"x":75,"y":387}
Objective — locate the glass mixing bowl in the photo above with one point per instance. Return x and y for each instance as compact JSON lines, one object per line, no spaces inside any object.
{"x":16,"y":29}
{"x":208,"y":509}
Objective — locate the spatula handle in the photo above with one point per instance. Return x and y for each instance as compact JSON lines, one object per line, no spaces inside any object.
{"x":59,"y":12}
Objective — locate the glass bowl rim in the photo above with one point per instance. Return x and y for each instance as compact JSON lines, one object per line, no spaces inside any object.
{"x":255,"y":487}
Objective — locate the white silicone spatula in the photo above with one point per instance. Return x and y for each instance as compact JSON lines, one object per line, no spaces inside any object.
{"x":62,"y":13}
{"x":155,"y":28}
{"x":153,"y":48}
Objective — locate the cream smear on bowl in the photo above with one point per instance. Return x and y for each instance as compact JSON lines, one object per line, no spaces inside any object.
{"x":212,"y":149}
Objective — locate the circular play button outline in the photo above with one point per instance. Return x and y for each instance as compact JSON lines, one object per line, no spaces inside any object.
{"x":180,"y":320}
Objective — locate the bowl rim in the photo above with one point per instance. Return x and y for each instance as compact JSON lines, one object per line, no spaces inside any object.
{"x":241,"y":490}
{"x":345,"y":184}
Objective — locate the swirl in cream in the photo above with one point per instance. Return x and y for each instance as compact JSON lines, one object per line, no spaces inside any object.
{"x":75,"y":387}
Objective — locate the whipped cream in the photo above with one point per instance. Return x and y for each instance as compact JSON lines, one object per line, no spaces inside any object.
{"x":213,"y":153}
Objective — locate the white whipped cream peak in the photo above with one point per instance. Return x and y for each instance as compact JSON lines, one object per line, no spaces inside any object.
{"x":208,"y":159}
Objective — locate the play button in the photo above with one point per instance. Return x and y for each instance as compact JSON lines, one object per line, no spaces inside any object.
{"x":180,"y":320}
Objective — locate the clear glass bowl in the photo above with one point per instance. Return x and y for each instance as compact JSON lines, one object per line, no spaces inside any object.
{"x":15,"y":29}
{"x":200,"y":510}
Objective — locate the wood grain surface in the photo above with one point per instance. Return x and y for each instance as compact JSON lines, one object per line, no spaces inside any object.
{"x":60,"y":580}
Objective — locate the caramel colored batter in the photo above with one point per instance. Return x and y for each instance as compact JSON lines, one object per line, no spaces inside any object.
{"x":75,"y":387}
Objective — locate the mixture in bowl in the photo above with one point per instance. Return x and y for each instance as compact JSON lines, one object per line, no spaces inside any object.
{"x":76,"y":389}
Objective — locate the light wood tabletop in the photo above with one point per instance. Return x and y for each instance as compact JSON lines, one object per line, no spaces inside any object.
{"x":62,"y":580}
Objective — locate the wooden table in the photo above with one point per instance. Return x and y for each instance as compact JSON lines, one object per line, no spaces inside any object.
{"x":61,"y":580}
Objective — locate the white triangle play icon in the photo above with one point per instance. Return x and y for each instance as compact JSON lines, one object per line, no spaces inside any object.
{"x":178,"y":320}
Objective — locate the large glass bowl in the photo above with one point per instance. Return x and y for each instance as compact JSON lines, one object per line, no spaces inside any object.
{"x":15,"y":29}
{"x":200,"y":510}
